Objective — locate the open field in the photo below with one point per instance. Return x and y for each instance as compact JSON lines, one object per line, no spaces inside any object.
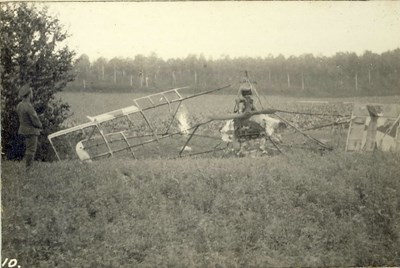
{"x":84,"y":104}
{"x":286,"y":211}
{"x":301,"y":209}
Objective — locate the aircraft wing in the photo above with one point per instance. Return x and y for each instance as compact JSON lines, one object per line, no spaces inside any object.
{"x":114,"y":114}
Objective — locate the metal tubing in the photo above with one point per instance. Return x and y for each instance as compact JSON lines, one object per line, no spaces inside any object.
{"x":273,"y":143}
{"x":148,"y":123}
{"x":177,"y":93}
{"x":206,"y":152}
{"x":91,"y":133}
{"x":305,"y":134}
{"x":328,"y":125}
{"x":173,"y":117}
{"x":105,"y":140}
{"x":129,"y":146}
{"x":54,"y":148}
{"x":169,"y":104}
{"x":183,"y":98}
{"x":188,"y":140}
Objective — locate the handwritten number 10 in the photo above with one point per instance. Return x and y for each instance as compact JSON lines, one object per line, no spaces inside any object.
{"x":11,"y":263}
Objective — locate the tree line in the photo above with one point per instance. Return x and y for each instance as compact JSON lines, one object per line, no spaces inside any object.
{"x":343,"y":74}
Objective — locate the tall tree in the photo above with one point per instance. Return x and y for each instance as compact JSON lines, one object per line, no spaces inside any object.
{"x":30,"y":54}
{"x":353,"y":68}
{"x":99,"y":68}
{"x":82,"y":69}
{"x":370,"y":61}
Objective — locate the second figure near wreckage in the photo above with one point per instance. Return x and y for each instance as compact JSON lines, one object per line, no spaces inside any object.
{"x":244,"y":103}
{"x":244,"y":100}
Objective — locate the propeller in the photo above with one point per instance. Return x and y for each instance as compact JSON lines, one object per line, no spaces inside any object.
{"x":243,"y":115}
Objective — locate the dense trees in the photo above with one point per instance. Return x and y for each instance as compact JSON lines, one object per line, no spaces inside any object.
{"x":31,"y":54}
{"x":342,"y":74}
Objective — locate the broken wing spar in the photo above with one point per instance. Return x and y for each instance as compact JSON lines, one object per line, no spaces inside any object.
{"x":269,"y":111}
{"x":149,"y":102}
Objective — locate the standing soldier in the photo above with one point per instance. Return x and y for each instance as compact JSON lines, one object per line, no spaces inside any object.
{"x":29,"y":124}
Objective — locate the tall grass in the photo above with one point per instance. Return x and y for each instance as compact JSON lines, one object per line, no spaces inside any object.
{"x":299,"y":209}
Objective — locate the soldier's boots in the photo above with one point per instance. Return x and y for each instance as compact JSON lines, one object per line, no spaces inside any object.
{"x":29,"y":161}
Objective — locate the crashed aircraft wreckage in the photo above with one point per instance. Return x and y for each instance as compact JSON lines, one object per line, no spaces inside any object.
{"x":156,"y":126}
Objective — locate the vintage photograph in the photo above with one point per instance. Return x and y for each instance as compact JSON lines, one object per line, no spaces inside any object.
{"x":200,"y":134}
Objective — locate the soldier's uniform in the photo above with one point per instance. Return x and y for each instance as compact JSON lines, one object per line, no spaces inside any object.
{"x":29,"y":125}
{"x":244,"y":97}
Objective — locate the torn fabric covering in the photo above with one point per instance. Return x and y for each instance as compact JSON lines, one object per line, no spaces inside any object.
{"x":374,"y":126}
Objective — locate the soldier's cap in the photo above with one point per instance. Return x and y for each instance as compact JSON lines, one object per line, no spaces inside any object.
{"x":24,"y":91}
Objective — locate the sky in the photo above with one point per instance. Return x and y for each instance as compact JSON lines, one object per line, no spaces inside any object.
{"x":237,"y":29}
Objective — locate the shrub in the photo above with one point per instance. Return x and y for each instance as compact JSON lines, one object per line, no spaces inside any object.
{"x":29,"y":55}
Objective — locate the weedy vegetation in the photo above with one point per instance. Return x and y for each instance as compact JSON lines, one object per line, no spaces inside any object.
{"x":300,"y":209}
{"x":289,"y":210}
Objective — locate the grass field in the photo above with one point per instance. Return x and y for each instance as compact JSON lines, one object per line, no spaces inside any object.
{"x":301,"y":209}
